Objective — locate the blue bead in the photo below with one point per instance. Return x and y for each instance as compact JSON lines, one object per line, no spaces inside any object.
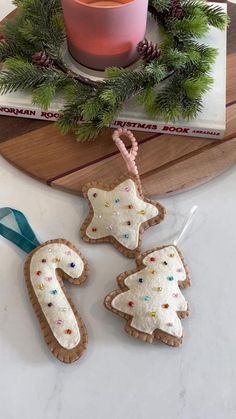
{"x":54,"y":292}
{"x":146,"y":298}
{"x":140,"y":280}
{"x":170,"y":278}
{"x":117,"y":200}
{"x":126,"y":236}
{"x":72,"y":265}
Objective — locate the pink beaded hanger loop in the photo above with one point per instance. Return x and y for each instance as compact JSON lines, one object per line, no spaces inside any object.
{"x":128,"y":156}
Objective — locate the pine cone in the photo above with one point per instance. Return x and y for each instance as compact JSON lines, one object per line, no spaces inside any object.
{"x":148,"y":51}
{"x":176,"y":10}
{"x":41,"y":59}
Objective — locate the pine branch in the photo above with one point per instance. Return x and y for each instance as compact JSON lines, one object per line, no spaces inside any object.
{"x":195,"y":88}
{"x":173,"y":58}
{"x":70,"y":117}
{"x":160,"y":5}
{"x":87,"y":132}
{"x":76,"y":94}
{"x":188,"y":27}
{"x":191,"y":107}
{"x":19,"y":74}
{"x":214,"y":14}
{"x":38,"y":26}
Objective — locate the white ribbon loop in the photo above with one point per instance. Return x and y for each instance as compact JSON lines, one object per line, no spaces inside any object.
{"x":186,"y":225}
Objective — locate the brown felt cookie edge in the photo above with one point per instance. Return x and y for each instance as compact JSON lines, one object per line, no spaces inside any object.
{"x":110,"y":239}
{"x":157,"y":334}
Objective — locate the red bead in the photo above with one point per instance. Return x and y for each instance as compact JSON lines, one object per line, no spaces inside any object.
{"x":68,"y":331}
{"x":165,"y":305}
{"x":131,"y":304}
{"x":44,"y":261}
{"x":152,"y":259}
{"x":95,"y":195}
{"x":38,"y":273}
{"x":94,"y":229}
{"x":130,"y":206}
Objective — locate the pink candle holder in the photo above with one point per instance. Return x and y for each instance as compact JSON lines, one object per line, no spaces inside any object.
{"x":104,"y":33}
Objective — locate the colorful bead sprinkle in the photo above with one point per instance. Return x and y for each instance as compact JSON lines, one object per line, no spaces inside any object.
{"x":43,"y":261}
{"x":126,"y":236}
{"x":127,"y":189}
{"x":63,"y":309}
{"x":48,"y":278}
{"x":158,"y":289}
{"x":165,"y":306}
{"x":40,"y":287}
{"x":58,"y":322}
{"x":72,"y":264}
{"x":116,"y":213}
{"x":68,"y":331}
{"x":169,"y":324}
{"x":117,"y":200}
{"x":165,"y":263}
{"x":140,"y":280}
{"x":172,"y":255}
{"x":38,"y":273}
{"x":110,"y":227}
{"x":152,"y":259}
{"x":129,"y":223}
{"x":179,"y":270}
{"x":175,"y":295}
{"x":95,"y":195}
{"x":131,"y":304}
{"x":152,"y":313}
{"x":147,"y":298}
{"x":130,"y":206}
{"x":94,"y":229}
{"x":53,"y":292}
{"x":50,"y":304}
{"x":57,"y":260}
{"x":153,"y":272}
{"x":170,"y":278}
{"x":107,"y":204}
{"x":142,"y":212}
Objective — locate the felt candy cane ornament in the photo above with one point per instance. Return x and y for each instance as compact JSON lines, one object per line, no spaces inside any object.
{"x":45,"y":269}
{"x":149,"y":297}
{"x":119,"y":213}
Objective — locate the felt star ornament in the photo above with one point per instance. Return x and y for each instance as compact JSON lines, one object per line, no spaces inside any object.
{"x":119,"y":213}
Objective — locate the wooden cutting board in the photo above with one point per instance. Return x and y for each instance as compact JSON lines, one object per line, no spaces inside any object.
{"x":166,"y":163}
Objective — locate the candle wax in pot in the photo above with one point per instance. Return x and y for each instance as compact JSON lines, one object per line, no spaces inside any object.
{"x":105,"y":3}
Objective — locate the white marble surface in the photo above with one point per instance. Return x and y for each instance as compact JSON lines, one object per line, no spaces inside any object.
{"x":119,"y":377}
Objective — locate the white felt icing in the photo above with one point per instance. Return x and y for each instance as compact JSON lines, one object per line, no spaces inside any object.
{"x":159,"y":287}
{"x":112,"y":213}
{"x":59,"y":315}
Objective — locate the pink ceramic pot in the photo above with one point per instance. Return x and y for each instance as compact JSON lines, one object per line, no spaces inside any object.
{"x":104,"y":33}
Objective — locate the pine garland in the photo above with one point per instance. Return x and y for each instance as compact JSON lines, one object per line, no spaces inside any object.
{"x":169,"y":83}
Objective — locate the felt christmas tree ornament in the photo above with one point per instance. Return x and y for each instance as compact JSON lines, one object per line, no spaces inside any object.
{"x":119,"y":213}
{"x":46,"y":266}
{"x":149,"y":297}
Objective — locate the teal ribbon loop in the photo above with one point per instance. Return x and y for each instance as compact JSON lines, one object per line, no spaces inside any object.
{"x":26,"y":239}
